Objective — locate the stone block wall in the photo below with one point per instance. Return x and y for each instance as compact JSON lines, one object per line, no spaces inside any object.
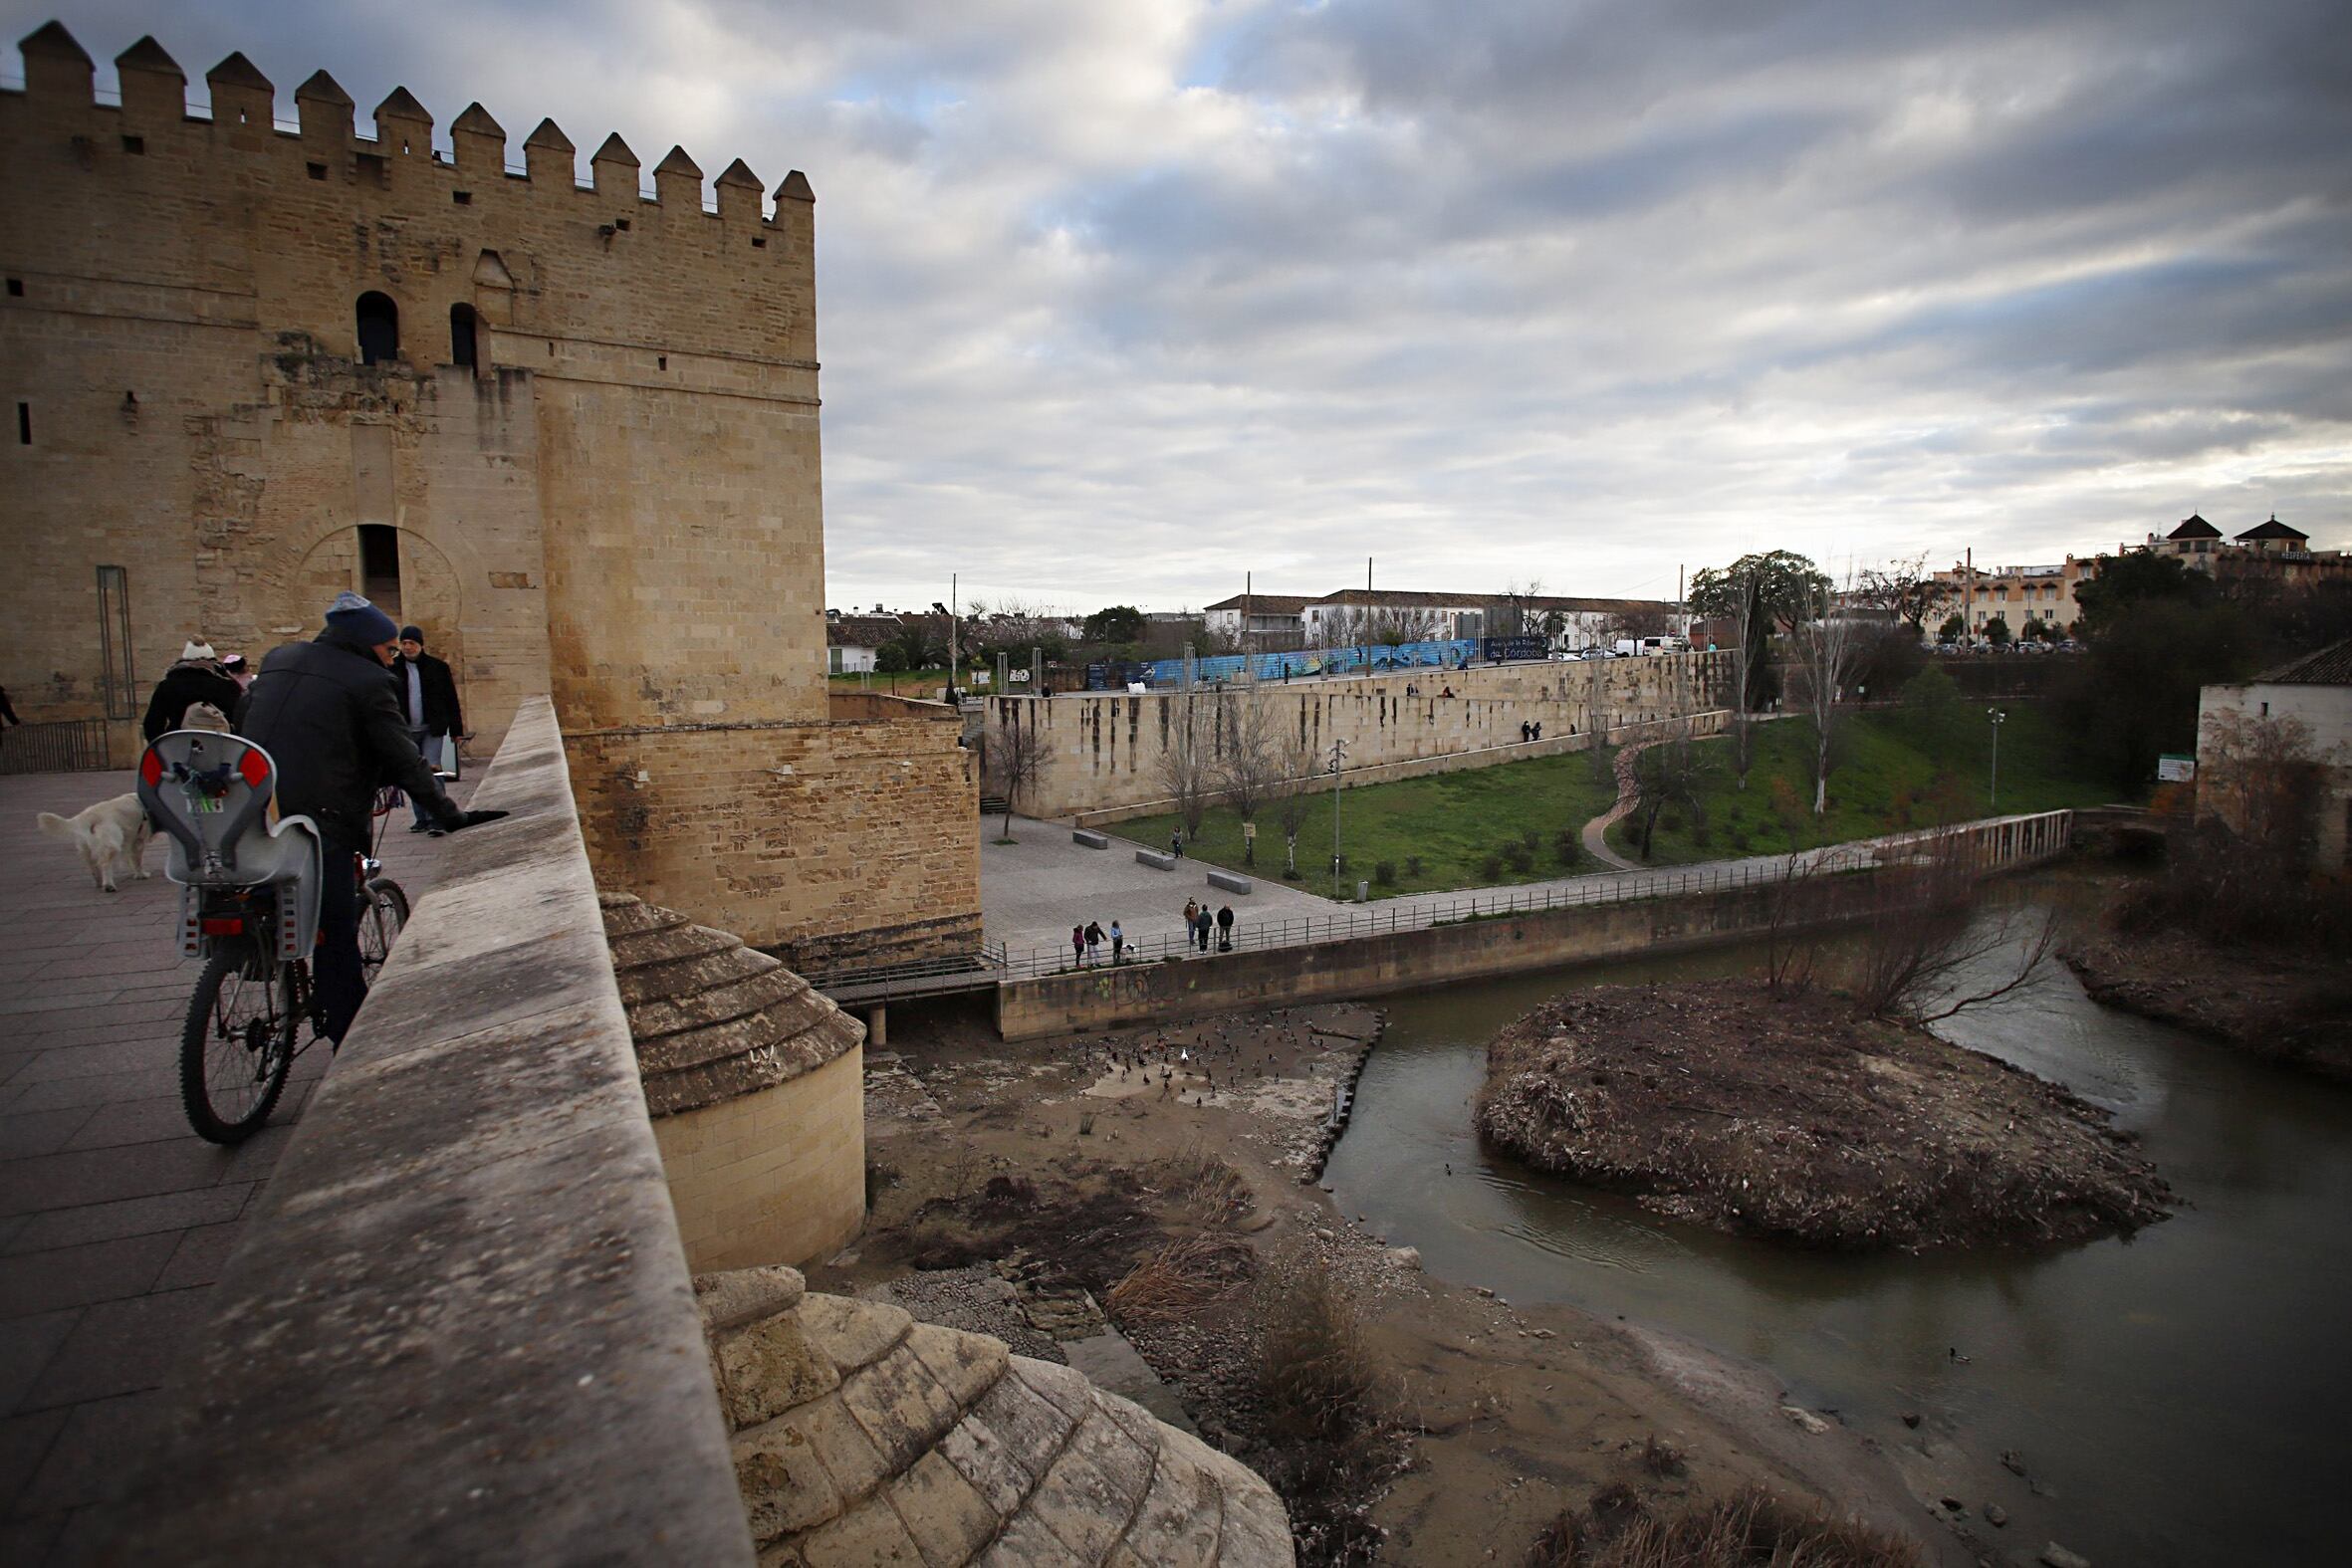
{"x":1104,"y":750}
{"x":773,"y":1176}
{"x":828,"y":844}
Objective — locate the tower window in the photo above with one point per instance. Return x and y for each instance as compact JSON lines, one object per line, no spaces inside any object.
{"x":136,"y":146}
{"x":16,"y":287}
{"x":24,"y":424}
{"x":462,"y":323}
{"x":379,"y":565}
{"x":379,"y":328}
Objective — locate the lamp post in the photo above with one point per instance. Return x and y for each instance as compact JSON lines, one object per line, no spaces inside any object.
{"x":1338,"y":755}
{"x":1996,"y":716}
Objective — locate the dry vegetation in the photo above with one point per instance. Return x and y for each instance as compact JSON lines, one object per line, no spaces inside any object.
{"x":1791,"y":1119}
{"x":1750,"y":1530}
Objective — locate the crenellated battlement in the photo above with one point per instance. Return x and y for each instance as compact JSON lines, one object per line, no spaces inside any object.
{"x":60,"y":84}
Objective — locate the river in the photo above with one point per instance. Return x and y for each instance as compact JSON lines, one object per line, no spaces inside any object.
{"x":2177,"y":1399}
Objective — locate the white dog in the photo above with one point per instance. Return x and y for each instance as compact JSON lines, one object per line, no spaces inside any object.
{"x":112,"y":835}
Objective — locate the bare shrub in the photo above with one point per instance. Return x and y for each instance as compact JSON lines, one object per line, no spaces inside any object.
{"x":1178,"y":1281}
{"x":1927,"y":932}
{"x":1752,"y":1529}
{"x":1661,"y":1459}
{"x":1211,"y":1189}
{"x":1666,"y":773}
{"x":1317,"y":1379}
{"x":1789,"y":946}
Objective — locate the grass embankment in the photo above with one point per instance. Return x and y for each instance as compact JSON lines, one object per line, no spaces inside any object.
{"x":1894,"y":769}
{"x":1477,"y":829}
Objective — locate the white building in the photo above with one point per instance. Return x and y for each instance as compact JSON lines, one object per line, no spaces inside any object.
{"x":2316,"y":691}
{"x":850,"y":640}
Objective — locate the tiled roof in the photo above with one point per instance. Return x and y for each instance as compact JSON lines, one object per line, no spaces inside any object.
{"x":1263,"y":603}
{"x":2330,"y":666}
{"x":861,"y":631}
{"x":2273,"y":530}
{"x":2194,"y":527}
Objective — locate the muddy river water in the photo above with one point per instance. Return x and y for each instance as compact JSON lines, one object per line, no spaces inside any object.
{"x":2181,"y":1397}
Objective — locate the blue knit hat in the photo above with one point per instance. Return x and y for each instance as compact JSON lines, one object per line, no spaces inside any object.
{"x":356,"y":620}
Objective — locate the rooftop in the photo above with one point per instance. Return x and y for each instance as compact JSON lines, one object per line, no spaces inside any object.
{"x":2330,"y":666}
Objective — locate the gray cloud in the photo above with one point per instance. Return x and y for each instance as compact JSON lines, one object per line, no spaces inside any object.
{"x":1120,"y":302}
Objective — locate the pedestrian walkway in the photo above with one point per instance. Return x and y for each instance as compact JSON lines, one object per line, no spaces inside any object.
{"x":114,"y":1219}
{"x":1033,"y":893}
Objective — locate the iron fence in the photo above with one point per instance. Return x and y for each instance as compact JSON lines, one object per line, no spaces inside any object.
{"x":1997,"y":842}
{"x":70,"y":746}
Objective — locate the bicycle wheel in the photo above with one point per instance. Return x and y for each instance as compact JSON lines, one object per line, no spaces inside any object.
{"x":236,"y":1046}
{"x":384,"y":910}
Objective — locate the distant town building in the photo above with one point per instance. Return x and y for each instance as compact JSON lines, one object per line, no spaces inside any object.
{"x":850,"y":640}
{"x":1978,"y":596}
{"x":2273,"y":550}
{"x":1404,"y":614}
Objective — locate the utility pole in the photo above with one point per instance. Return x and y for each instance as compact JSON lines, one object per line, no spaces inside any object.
{"x":1996,"y":716}
{"x":951,"y":636}
{"x":1367,"y":574}
{"x":1339,"y":755}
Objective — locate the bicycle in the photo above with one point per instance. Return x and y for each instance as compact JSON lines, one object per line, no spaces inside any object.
{"x":249,"y":907}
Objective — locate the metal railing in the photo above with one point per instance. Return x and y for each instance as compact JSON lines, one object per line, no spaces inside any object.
{"x":70,"y":746}
{"x":984,"y":965}
{"x":2000,"y":842}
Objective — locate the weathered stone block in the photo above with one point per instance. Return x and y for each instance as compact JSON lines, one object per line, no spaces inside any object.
{"x":949,"y":1519}
{"x":786,"y":1486}
{"x":966,"y":1364}
{"x":853,"y":1333}
{"x":770,"y":1367}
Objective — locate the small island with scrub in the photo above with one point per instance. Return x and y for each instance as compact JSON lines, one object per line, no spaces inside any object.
{"x":1792,"y":1119}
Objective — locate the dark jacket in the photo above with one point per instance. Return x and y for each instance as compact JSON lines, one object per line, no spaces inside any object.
{"x":441,"y":716}
{"x":329,"y":715}
{"x":185,"y":685}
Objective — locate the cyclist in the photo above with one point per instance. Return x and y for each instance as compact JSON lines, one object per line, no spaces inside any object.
{"x":329,"y":714}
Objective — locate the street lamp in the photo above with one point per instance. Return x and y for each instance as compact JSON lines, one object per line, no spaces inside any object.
{"x":1338,"y":755}
{"x":1996,"y":716}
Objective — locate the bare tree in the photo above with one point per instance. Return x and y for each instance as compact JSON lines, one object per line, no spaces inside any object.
{"x":1743,"y":605}
{"x":1186,"y":770}
{"x":1790,"y":945}
{"x":1928,"y":942}
{"x":1665,"y":774}
{"x":1015,"y":755}
{"x":1641,"y":620}
{"x":1384,"y":625}
{"x":1825,"y":647}
{"x":1252,"y":764}
{"x":1905,"y":590}
{"x":1293,"y":798}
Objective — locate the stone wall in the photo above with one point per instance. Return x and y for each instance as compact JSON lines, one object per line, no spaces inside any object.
{"x":824,"y":844}
{"x":1104,"y":750}
{"x":773,"y":1176}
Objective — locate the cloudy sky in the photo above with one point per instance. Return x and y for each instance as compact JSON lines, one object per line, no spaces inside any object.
{"x":1121,"y":298}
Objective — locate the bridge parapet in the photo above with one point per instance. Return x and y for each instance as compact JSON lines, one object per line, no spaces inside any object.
{"x":460,"y":1327}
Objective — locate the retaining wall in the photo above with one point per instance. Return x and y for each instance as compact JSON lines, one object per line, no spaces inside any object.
{"x":1474,"y":949}
{"x":460,"y":1326}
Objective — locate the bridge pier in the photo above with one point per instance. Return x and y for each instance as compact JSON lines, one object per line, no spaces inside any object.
{"x":877,"y":1025}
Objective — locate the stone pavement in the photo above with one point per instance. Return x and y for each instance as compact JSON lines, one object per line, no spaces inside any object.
{"x":114,"y":1219}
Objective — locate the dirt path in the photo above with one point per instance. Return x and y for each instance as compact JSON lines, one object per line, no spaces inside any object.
{"x":1596,"y":842}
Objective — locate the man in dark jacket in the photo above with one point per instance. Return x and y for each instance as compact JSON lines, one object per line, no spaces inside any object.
{"x":193,"y":678}
{"x":428,"y":697}
{"x":330,"y":717}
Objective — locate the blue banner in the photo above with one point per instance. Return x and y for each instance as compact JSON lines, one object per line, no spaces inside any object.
{"x":1451,"y":653}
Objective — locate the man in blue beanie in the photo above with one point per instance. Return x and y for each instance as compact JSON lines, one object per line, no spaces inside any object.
{"x":330,"y":717}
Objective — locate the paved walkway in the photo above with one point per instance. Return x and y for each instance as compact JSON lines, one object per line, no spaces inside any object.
{"x":1031,"y":893}
{"x":114,"y":1219}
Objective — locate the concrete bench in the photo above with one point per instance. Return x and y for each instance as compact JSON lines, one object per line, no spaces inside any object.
{"x":1088,"y":838}
{"x":1231,"y":881}
{"x":1157,"y":860}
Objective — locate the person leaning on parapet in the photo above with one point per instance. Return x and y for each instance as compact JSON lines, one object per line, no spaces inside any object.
{"x":1225,"y":928}
{"x":428,"y":696}
{"x":194,"y":677}
{"x":329,"y":714}
{"x":1093,"y":942}
{"x":1118,"y":944}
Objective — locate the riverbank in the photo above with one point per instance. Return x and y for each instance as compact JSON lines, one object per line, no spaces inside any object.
{"x":1122,"y":1200}
{"x":2291,"y":1009}
{"x":1791,"y":1120}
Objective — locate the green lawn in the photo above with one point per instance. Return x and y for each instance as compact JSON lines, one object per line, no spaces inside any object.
{"x":1452,"y":822}
{"x":1896,"y":767}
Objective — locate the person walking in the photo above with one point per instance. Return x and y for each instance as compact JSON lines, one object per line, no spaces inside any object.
{"x":1225,"y":928}
{"x":1200,"y":927}
{"x":1118,"y":945}
{"x":1093,"y":942}
{"x":194,"y":677}
{"x":428,"y":697}
{"x":1176,"y":843}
